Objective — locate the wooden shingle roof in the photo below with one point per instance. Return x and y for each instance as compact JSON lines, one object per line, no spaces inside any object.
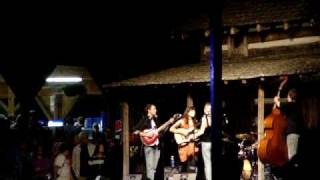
{"x":251,"y":12}
{"x":292,"y":62}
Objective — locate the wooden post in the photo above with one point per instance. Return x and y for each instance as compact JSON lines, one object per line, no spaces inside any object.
{"x":245,"y":51}
{"x":260,"y":127}
{"x":189,"y":100}
{"x":230,"y":45}
{"x":11,"y":108}
{"x":56,"y":106}
{"x":125,"y":131}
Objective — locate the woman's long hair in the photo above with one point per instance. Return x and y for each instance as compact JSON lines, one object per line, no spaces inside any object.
{"x":186,"y":115}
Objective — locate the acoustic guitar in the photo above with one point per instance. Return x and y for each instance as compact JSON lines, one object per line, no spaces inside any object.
{"x":182,"y":140}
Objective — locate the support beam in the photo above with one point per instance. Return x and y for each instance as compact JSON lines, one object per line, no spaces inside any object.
{"x":3,"y":90}
{"x":260,"y":128}
{"x":57,"y":106}
{"x":11,"y":97}
{"x":270,"y":101}
{"x":125,"y":131}
{"x":67,"y":104}
{"x":3,"y":105}
{"x":43,"y":107}
{"x":189,"y":100}
{"x":284,"y":42}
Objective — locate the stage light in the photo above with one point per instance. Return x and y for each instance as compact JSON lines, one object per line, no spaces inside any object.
{"x":63,"y":79}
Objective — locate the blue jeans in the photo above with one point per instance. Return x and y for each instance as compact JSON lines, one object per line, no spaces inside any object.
{"x":152,"y":155}
{"x":206,"y":155}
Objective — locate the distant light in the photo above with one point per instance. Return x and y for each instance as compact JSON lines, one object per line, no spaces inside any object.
{"x":55,"y":123}
{"x":64,"y":79}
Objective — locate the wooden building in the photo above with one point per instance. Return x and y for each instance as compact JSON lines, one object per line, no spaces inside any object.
{"x":262,"y":41}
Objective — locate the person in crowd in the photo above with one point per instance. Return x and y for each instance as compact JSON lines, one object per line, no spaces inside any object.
{"x":62,"y":164}
{"x":81,"y":155}
{"x":41,"y":164}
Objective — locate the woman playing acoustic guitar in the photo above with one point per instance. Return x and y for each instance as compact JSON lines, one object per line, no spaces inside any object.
{"x":184,"y":132}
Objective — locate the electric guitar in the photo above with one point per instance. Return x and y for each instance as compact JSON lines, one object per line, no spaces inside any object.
{"x":153,"y":134}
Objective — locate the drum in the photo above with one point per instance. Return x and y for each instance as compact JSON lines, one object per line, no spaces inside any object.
{"x":246,"y":170}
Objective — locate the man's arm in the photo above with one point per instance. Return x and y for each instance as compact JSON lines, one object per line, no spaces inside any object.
{"x":202,"y":127}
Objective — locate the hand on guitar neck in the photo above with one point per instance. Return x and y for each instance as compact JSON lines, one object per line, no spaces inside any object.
{"x":149,"y":137}
{"x":276,"y":99}
{"x":186,"y":135}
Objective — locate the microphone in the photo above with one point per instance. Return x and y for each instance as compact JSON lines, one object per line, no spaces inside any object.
{"x":177,"y":116}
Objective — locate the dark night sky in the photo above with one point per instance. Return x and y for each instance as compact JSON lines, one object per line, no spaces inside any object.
{"x":113,"y":41}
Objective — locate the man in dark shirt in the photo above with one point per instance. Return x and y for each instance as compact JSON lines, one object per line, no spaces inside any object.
{"x":152,"y":152}
{"x":293,"y":114}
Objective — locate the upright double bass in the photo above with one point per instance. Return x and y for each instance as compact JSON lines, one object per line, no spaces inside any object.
{"x":272,"y":148}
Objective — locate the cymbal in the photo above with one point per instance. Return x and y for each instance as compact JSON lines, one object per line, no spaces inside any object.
{"x":253,"y":132}
{"x":243,"y":136}
{"x":226,"y":139}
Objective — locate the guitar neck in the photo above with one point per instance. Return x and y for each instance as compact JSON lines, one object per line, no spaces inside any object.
{"x":280,"y":88}
{"x":163,"y":126}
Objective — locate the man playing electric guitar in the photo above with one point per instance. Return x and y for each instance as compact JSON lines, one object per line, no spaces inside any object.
{"x":149,"y":135}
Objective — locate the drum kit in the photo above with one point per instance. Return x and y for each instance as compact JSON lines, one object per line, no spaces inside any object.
{"x":248,"y":153}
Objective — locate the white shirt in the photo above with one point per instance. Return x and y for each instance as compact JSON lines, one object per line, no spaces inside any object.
{"x":154,"y":127}
{"x":64,"y":166}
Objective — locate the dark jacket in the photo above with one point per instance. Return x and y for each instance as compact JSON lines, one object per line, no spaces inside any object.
{"x":293,"y":114}
{"x":145,"y":123}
